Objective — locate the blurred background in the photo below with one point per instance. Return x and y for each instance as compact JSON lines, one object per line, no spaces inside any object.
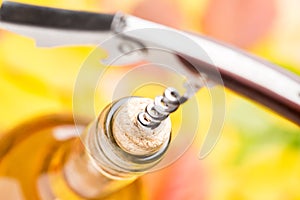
{"x":258,"y":154}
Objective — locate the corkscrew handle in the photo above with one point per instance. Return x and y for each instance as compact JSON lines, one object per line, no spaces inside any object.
{"x":52,"y":27}
{"x":31,"y":15}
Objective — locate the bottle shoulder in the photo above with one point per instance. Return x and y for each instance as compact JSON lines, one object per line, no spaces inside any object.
{"x":33,"y":155}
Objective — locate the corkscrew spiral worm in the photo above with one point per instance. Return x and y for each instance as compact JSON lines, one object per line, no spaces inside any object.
{"x":161,"y":108}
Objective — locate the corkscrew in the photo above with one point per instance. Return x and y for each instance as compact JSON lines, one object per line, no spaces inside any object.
{"x":254,"y":78}
{"x":162,"y":107}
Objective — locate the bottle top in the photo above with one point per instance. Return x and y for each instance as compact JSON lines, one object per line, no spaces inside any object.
{"x":135,"y":138}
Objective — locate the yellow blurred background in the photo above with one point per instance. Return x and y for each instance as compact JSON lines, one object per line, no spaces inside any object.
{"x":257,"y":156}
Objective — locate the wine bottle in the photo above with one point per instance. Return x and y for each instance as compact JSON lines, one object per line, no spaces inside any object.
{"x":51,"y":157}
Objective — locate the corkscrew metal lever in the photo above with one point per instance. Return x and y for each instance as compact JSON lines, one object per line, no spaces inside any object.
{"x":245,"y":74}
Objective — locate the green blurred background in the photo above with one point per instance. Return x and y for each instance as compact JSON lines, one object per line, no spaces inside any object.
{"x":258,"y":154}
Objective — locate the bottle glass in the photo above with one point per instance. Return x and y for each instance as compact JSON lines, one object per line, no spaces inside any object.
{"x":33,"y":159}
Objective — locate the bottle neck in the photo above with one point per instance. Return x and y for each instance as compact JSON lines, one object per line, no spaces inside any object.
{"x":97,"y":165}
